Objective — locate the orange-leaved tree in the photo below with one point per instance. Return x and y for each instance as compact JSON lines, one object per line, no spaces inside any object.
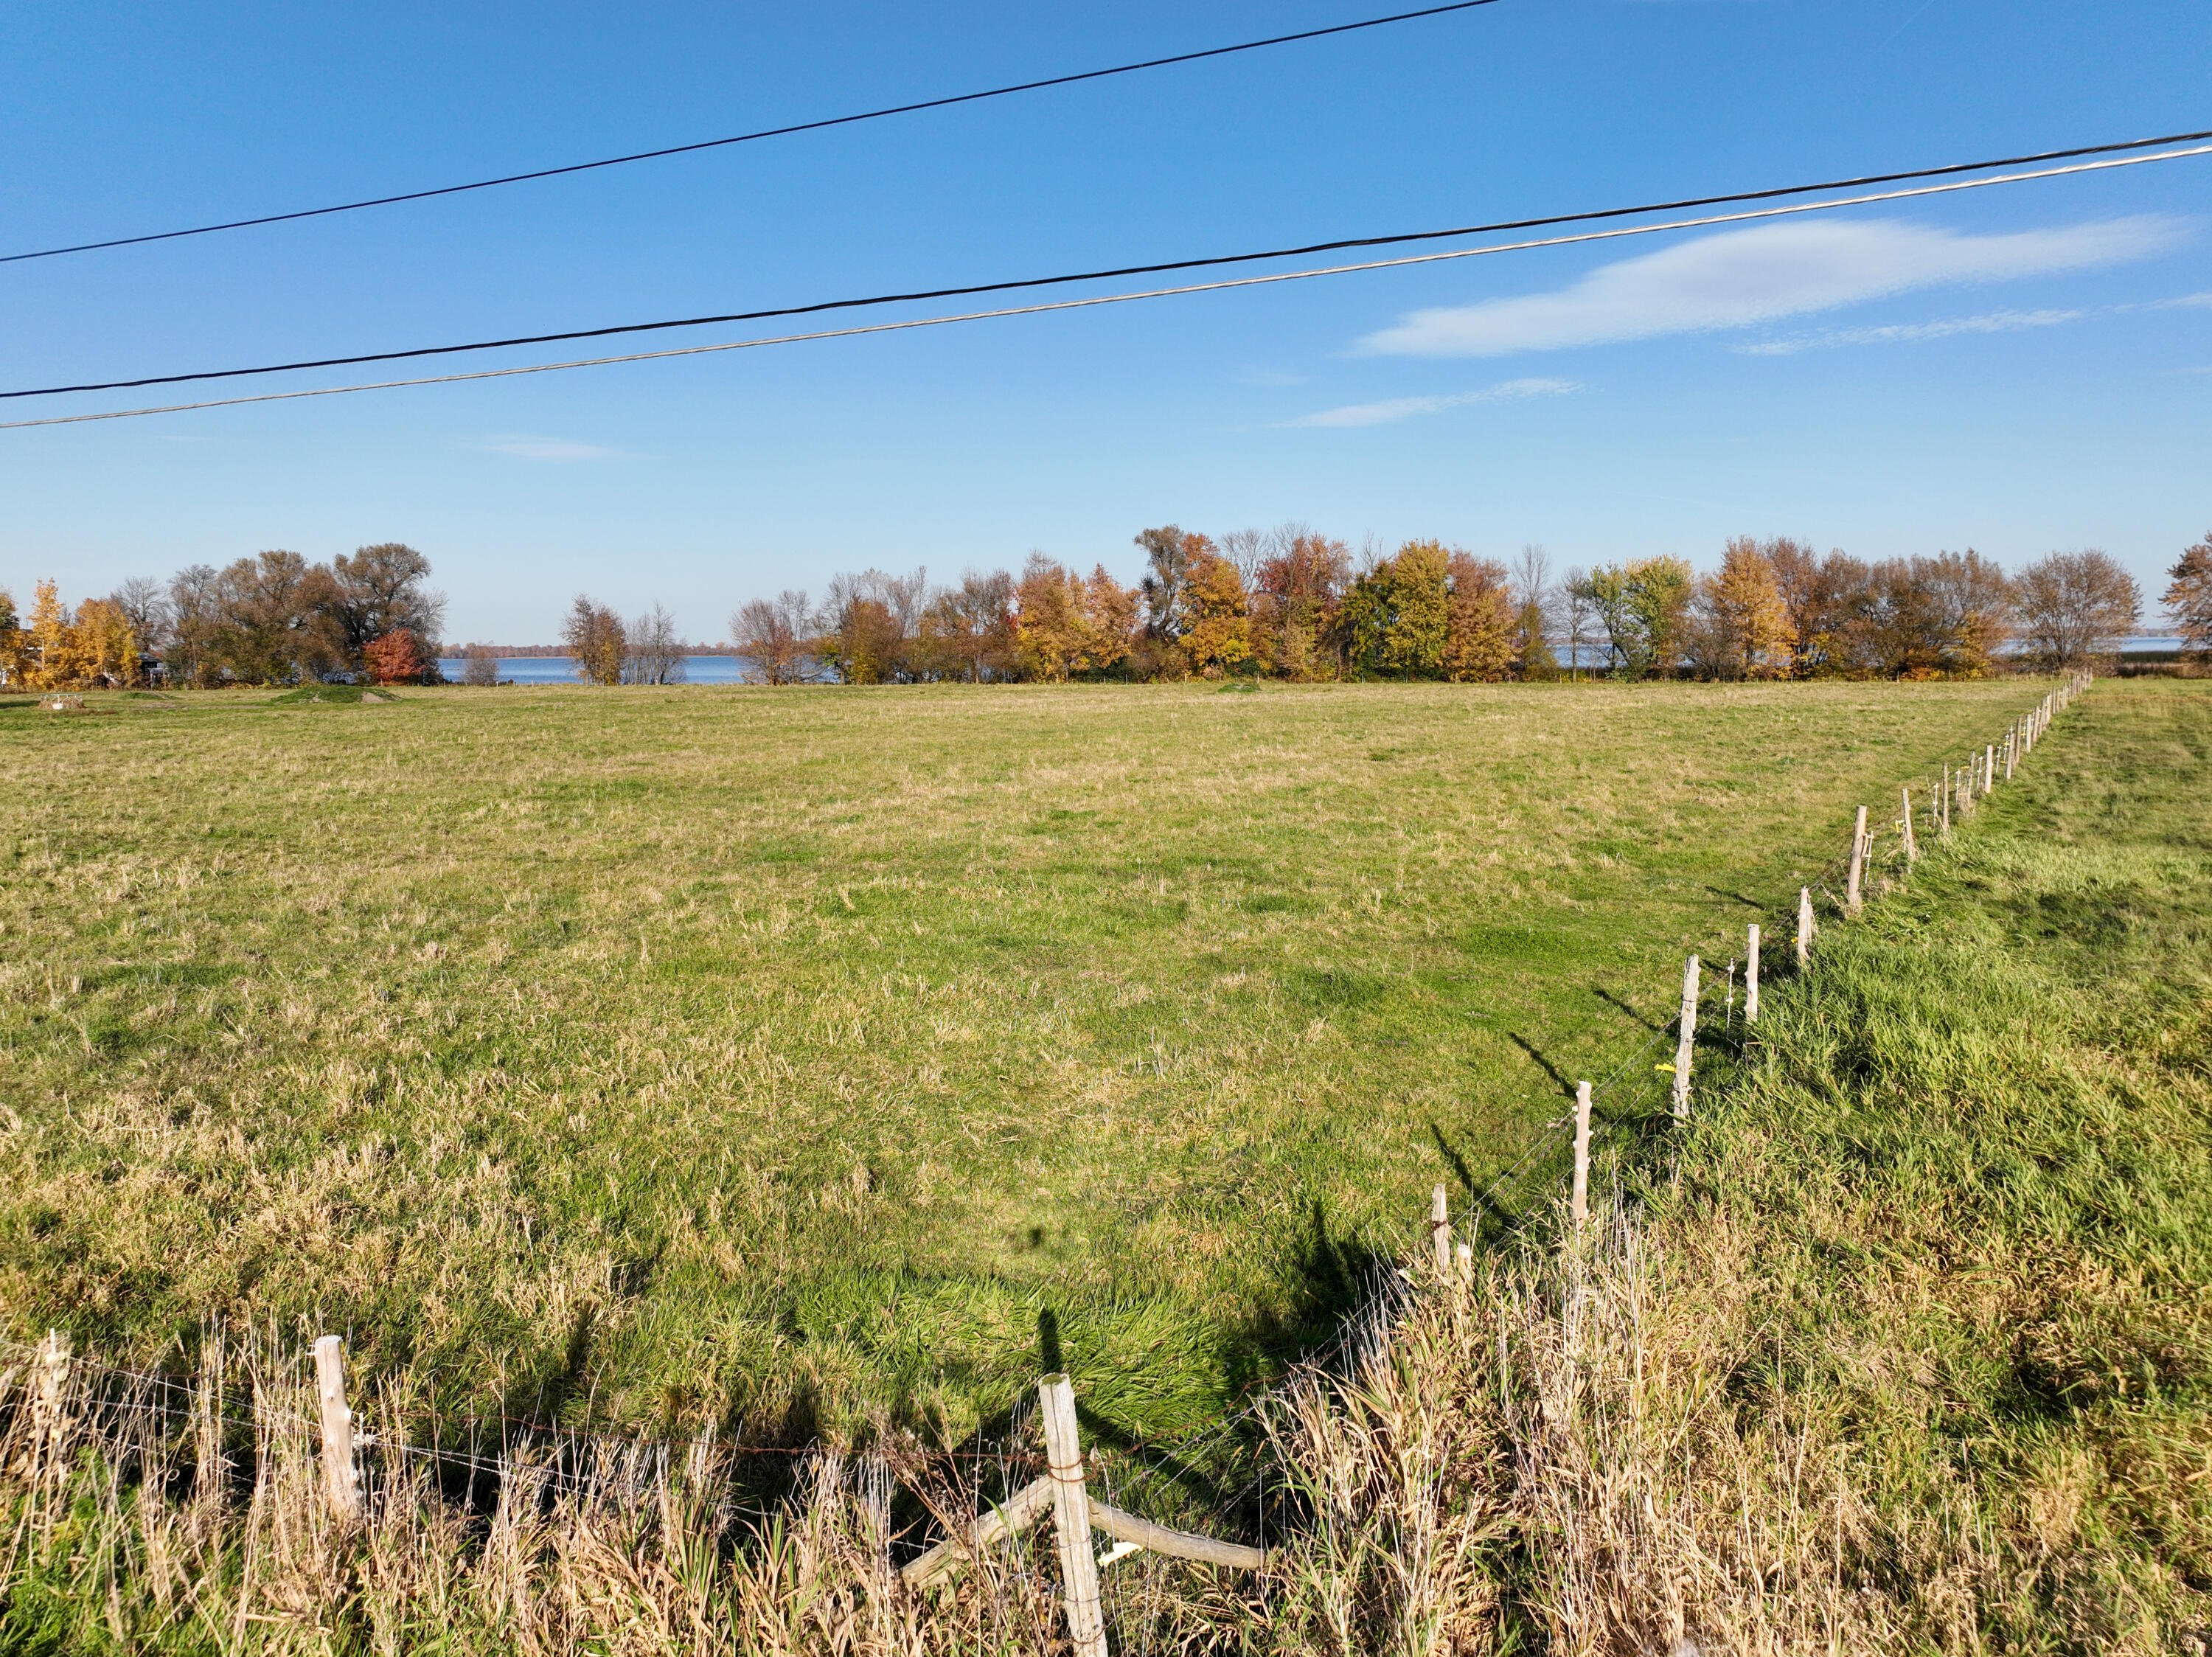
{"x":1478,"y":621}
{"x":395,"y":658}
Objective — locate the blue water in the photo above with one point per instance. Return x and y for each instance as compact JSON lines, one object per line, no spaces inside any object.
{"x":561,"y":670}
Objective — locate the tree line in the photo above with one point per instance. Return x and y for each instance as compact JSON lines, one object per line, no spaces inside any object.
{"x":1291,"y":604}
{"x":1296,"y":604}
{"x":273,"y":618}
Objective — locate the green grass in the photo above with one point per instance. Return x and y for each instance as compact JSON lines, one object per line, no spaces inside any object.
{"x":801,"y":1057}
{"x":1958,"y":1214}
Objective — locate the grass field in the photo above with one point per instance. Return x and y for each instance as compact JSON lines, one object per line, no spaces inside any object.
{"x":811,"y":1057}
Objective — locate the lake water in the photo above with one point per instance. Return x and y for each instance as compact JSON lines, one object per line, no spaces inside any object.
{"x":561,"y":670}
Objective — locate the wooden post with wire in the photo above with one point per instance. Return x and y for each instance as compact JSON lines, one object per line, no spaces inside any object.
{"x":1579,"y":1203}
{"x":1912,"y":841}
{"x":1751,"y":978}
{"x":1858,"y":864}
{"x":1440,"y":1237}
{"x":341,"y":1480}
{"x":1685,"y":1043}
{"x":1804,"y":926}
{"x":1070,"y":1512}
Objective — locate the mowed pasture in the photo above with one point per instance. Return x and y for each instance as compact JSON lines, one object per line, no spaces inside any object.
{"x":810,"y":1059}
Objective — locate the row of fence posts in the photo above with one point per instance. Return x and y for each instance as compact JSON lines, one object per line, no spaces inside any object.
{"x":1064,"y":1491}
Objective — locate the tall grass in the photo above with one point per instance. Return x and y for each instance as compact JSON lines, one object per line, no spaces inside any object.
{"x":1904,"y":1344}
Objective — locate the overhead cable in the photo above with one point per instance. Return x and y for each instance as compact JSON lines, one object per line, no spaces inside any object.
{"x":751,"y":138}
{"x":1107,"y":273}
{"x":1124,"y":298}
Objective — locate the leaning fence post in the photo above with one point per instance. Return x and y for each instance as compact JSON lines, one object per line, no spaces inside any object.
{"x":1685,"y":1043}
{"x":1858,"y":862}
{"x":338,"y":1471}
{"x":1804,"y":926}
{"x":1751,"y":979}
{"x":1440,"y":1227}
{"x":1071,"y":1513}
{"x":1579,"y":1206}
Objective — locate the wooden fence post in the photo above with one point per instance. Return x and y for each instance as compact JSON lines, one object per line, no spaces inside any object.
{"x":1911,"y":843}
{"x":1684,"y":1044}
{"x":1579,"y":1206}
{"x":1858,"y":862}
{"x":1440,"y":1239}
{"x":46,"y":1401}
{"x":1751,"y":979}
{"x":1071,"y":1513}
{"x":339,"y":1474}
{"x":2012,"y":748}
{"x":1804,"y":926}
{"x":1942,"y":812}
{"x":1989,"y":771}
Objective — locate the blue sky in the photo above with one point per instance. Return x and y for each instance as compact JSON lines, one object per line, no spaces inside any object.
{"x":2015,"y":369}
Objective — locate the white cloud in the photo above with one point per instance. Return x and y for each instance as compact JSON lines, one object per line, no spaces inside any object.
{"x":1907,"y":332}
{"x":1742,"y":276}
{"x":1401,"y":408}
{"x":2186,"y":303}
{"x":557,"y":449}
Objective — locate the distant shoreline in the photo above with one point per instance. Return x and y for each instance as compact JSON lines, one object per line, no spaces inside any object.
{"x":457,"y":652}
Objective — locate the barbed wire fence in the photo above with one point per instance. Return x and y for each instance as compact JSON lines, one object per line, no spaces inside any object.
{"x":1220,"y":1474}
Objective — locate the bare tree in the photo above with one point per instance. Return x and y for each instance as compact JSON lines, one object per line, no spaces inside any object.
{"x":145,"y":605}
{"x":1578,"y":612}
{"x":483,"y":665}
{"x":655,"y":650}
{"x":2076,"y":605}
{"x":775,"y":638}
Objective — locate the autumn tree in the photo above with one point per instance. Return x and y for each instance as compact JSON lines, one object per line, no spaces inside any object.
{"x":593,"y":635}
{"x":1395,"y":617}
{"x":396,"y":658}
{"x":379,"y":589}
{"x":270,"y":625}
{"x":56,"y":662}
{"x":1296,"y":591}
{"x":1642,"y":606}
{"x":106,"y":649}
{"x":2188,"y":598}
{"x":1218,"y":622}
{"x":2075,"y":607}
{"x":1739,"y":625}
{"x":14,"y":645}
{"x":1479,"y":622}
{"x":1167,"y":552}
{"x":775,"y":638}
{"x":970,"y":630}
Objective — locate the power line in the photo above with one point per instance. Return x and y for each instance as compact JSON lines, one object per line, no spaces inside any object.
{"x":1110,"y":273}
{"x":1121,"y":299}
{"x":766,"y":132}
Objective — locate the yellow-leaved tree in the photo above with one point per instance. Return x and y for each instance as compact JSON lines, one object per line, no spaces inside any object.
{"x":1742,"y":628}
{"x":1217,"y":634}
{"x":107,"y":650}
